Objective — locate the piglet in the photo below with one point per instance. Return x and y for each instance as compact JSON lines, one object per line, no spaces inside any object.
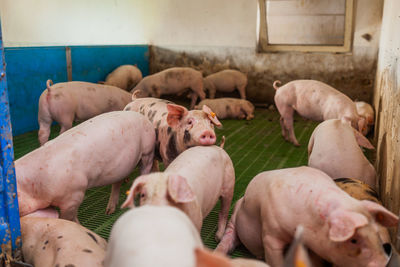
{"x":334,"y":149}
{"x":76,"y":101}
{"x":101,"y":151}
{"x":177,"y":129}
{"x":313,"y":100}
{"x":193,"y":182}
{"x":229,"y":108}
{"x":124,"y":77}
{"x":337,"y":227}
{"x":226,"y":81}
{"x":172,"y":81}
{"x":366,"y":111}
{"x":49,"y":242}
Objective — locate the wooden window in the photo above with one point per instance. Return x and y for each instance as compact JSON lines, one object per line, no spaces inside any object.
{"x":305,"y":25}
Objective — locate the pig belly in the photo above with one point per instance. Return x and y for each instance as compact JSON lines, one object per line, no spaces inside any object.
{"x":248,"y":230}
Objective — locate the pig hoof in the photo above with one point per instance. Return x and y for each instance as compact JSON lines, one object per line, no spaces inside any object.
{"x":218,"y":236}
{"x":110,"y":210}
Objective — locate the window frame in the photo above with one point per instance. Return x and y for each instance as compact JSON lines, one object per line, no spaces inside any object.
{"x":263,"y":45}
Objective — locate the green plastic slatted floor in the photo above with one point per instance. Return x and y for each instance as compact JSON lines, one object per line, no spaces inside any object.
{"x":254,"y":146}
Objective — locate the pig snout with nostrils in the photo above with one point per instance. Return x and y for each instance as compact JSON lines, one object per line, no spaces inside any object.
{"x":76,"y":101}
{"x":49,"y":242}
{"x":366,"y":111}
{"x":229,"y":108}
{"x":172,"y":81}
{"x":337,"y":227}
{"x":313,"y":100}
{"x":193,"y":182}
{"x":177,"y":129}
{"x":101,"y":151}
{"x":334,"y":148}
{"x":124,"y":77}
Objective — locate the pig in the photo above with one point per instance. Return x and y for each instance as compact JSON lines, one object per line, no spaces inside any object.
{"x":153,"y":236}
{"x":366,"y":111}
{"x":125,"y":77}
{"x":49,"y":242}
{"x":334,"y":149}
{"x":76,"y":101}
{"x":100,"y":151}
{"x":362,"y":191}
{"x":176,"y":128}
{"x":229,"y":108}
{"x":313,"y":100}
{"x":172,"y":81}
{"x":193,"y":182}
{"x":226,"y":81}
{"x":337,"y":227}
{"x":140,"y":238}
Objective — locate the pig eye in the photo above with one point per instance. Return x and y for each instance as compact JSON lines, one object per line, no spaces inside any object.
{"x":353,"y":241}
{"x":142,"y":195}
{"x":190,"y":121}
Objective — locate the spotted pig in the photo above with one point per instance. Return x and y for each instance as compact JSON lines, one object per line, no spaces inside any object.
{"x":76,"y":101}
{"x":177,"y":129}
{"x":362,"y":191}
{"x":51,"y":242}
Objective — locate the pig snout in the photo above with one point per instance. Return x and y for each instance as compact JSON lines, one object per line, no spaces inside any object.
{"x":207,"y":138}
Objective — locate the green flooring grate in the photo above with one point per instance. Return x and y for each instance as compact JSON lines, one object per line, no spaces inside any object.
{"x":254,"y":146}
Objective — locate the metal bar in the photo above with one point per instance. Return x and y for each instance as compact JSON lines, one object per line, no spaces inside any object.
{"x":69,"y":62}
{"x":10,"y":232}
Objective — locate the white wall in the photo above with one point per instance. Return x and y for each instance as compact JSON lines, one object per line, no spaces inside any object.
{"x":125,"y":22}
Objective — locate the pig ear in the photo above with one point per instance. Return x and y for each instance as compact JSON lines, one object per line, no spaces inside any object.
{"x":211,"y":115}
{"x":362,"y":140}
{"x":179,"y":190}
{"x":175,"y":114}
{"x":343,"y":224}
{"x":205,"y":258}
{"x":135,"y":188}
{"x":381,"y":214}
{"x":361,"y":124}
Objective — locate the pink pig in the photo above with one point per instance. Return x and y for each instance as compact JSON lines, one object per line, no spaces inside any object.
{"x":101,"y":151}
{"x":366,"y":111}
{"x":177,"y":129}
{"x":313,"y":100}
{"x":76,"y":101}
{"x":337,"y":227}
{"x":172,"y":81}
{"x":334,"y":149}
{"x":193,"y":182}
{"x":124,"y":77}
{"x":226,"y":81}
{"x":229,"y":108}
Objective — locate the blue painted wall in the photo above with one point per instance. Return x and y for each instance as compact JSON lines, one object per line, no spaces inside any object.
{"x":28,"y":69}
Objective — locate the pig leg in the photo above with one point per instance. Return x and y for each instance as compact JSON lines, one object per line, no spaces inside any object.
{"x":230,"y":240}
{"x":66,"y":123}
{"x":242,"y":91}
{"x":212,"y":93}
{"x":147,"y":163}
{"x":226,"y":200}
{"x":194,"y":100}
{"x":284,"y":132}
{"x":287,"y":123}
{"x":69,"y":208}
{"x":114,"y":197}
{"x":44,"y":131}
{"x":273,"y":249}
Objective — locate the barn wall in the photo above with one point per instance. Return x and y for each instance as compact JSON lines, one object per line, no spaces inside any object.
{"x":353,"y":73}
{"x":387,"y":106}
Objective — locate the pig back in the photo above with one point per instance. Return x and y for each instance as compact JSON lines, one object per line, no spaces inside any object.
{"x":50,"y":242}
{"x":204,"y":168}
{"x":92,"y":99}
{"x":139,"y":234}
